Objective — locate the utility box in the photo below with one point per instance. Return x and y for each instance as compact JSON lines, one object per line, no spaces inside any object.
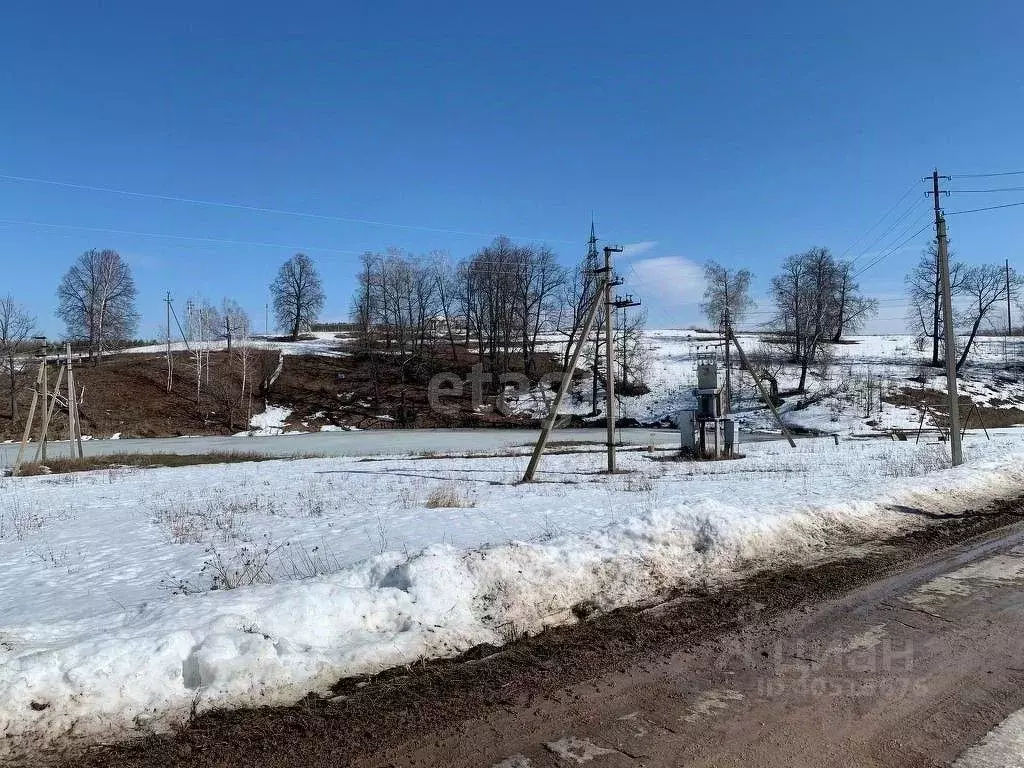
{"x":732,"y":435}
{"x":707,"y":373}
{"x":687,"y":431}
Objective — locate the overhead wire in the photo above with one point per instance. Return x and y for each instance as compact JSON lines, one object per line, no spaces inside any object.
{"x":884,"y":217}
{"x":986,"y":208}
{"x":987,"y":191}
{"x":914,"y":207}
{"x":257,"y":208}
{"x":986,"y":175}
{"x":890,"y":251}
{"x":169,"y":236}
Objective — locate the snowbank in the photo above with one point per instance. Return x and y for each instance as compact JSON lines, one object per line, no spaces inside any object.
{"x":90,"y":648}
{"x":271,"y":422}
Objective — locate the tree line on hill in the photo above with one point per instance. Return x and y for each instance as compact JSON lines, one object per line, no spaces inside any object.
{"x":505,"y":305}
{"x":817,"y":300}
{"x":97,"y":302}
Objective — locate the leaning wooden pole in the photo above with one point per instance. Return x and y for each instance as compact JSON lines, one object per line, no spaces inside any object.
{"x":549,"y":423}
{"x":48,"y":413}
{"x":29,"y":419}
{"x":760,"y":386}
{"x":76,"y":432}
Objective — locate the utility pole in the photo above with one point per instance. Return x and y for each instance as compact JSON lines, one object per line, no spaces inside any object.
{"x":74,"y":422}
{"x":549,"y":422}
{"x":26,"y":434}
{"x":609,"y":348}
{"x":170,"y":370}
{"x":46,"y":398}
{"x":955,"y":447}
{"x":1009,"y":324}
{"x":730,"y":336}
{"x":728,"y":358}
{"x":48,"y":410}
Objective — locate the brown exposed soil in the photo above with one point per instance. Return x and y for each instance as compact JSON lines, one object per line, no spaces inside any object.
{"x":127,"y":394}
{"x":935,"y":403}
{"x":422,"y":714}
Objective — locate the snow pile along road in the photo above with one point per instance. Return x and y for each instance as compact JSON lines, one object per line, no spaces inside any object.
{"x":110,"y":627}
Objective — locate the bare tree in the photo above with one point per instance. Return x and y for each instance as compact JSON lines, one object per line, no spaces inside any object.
{"x":853,"y":308}
{"x":298,"y":295}
{"x":806,"y":299}
{"x":726,"y":291}
{"x":924,"y":291}
{"x":579,"y":291}
{"x":16,"y":326}
{"x":97,"y":300}
{"x":539,"y":279}
{"x":233,"y":322}
{"x":447,"y":281}
{"x":984,"y":286}
{"x":726,"y":298}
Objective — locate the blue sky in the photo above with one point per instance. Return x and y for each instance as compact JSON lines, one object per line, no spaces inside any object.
{"x":742,"y":132}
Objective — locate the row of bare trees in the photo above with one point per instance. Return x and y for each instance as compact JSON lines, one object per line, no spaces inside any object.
{"x":499,"y":304}
{"x":979,"y":292}
{"x":817,"y":300}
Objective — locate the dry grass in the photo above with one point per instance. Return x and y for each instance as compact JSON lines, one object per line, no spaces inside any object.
{"x":138,"y":460}
{"x":448,"y":496}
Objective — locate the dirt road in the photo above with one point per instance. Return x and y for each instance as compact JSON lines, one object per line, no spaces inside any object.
{"x":904,"y":656}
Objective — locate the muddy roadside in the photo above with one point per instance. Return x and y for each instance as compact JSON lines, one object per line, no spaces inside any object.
{"x":369,"y":717}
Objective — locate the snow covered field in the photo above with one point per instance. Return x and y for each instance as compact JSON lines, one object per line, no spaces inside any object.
{"x":844,"y":395}
{"x":322,"y":343}
{"x":133,"y":597}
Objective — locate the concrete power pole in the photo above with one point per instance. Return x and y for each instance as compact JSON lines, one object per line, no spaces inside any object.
{"x":1009,"y":323}
{"x":170,"y":370}
{"x":609,"y":348}
{"x":549,"y":422}
{"x":955,"y":447}
{"x":46,"y":399}
{"x":728,"y":359}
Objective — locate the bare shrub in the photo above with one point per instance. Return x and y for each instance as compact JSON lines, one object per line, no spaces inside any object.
{"x":18,"y":519}
{"x":189,"y":523}
{"x":298,"y":563}
{"x":921,"y":461}
{"x":638,"y":483}
{"x":448,"y":495}
{"x":244,"y":567}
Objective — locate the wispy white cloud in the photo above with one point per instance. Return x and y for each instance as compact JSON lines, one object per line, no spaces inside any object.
{"x":671,"y":287}
{"x":632,"y":250}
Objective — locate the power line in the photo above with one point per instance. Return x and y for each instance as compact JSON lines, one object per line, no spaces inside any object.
{"x":987,"y":208}
{"x":986,"y":175}
{"x":168,"y":236}
{"x":886,"y":215}
{"x":1000,"y":189}
{"x":258,"y":208}
{"x":890,"y":228}
{"x":891,"y":251}
{"x":893,"y":244}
